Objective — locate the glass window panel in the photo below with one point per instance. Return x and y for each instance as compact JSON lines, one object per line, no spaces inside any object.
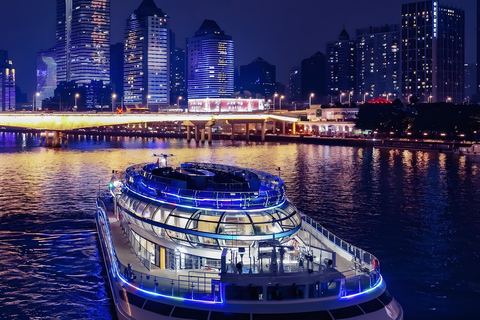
{"x":140,"y":208}
{"x":148,"y":212}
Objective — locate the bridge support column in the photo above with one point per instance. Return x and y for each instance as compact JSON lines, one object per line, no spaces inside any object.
{"x":196,"y":134}
{"x":202,"y":135}
{"x":264,"y":129}
{"x":209,"y":134}
{"x":284,"y":127}
{"x":189,"y":138}
{"x":232,"y":136}
{"x":247,"y":131}
{"x":294,"y":128}
{"x":274,"y":127}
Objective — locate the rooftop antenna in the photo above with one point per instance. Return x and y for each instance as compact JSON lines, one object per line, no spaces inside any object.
{"x":164,"y":155}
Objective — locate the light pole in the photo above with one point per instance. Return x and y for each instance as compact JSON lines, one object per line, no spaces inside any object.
{"x":408,"y":97}
{"x":178,"y":100}
{"x":148,"y":97}
{"x":430,"y":99}
{"x":364,"y":97}
{"x":341,"y":95}
{"x":274,"y":96}
{"x":350,"y":94}
{"x":281,"y":97}
{"x":37,"y":94}
{"x":114,"y":96}
{"x":449,"y":99}
{"x":76,"y":97}
{"x":310,"y":99}
{"x":388,"y":95}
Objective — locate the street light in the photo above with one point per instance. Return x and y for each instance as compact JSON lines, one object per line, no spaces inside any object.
{"x":37,"y":94}
{"x":388,"y":95}
{"x":281,"y":97}
{"x":408,"y":97}
{"x":178,"y":100}
{"x":430,"y":99}
{"x":364,"y":97}
{"x":76,"y":97}
{"x":114,"y":96}
{"x":449,"y":99}
{"x":341,"y":95}
{"x":148,"y":97}
{"x":310,"y":99}
{"x":350,"y":94}
{"x":274,"y":96}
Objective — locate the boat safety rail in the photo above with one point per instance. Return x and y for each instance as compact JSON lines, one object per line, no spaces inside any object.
{"x":140,"y":251}
{"x":272,"y":193}
{"x":191,"y":287}
{"x":360,"y":256}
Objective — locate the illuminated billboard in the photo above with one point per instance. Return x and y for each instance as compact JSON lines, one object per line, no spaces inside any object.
{"x":226,"y":105}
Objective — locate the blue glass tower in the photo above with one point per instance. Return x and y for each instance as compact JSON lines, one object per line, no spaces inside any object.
{"x":46,"y":76}
{"x":210,"y":63}
{"x":147,"y":57}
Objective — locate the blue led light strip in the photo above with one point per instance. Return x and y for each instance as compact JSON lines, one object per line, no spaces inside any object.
{"x":379,"y":282}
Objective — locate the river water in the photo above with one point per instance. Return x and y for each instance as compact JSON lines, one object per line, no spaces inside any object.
{"x":417,"y":211}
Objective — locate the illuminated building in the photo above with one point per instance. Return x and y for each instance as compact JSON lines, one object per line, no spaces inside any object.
{"x":7,"y":83}
{"x":378,"y":61}
{"x":210,"y":63}
{"x":313,"y":75}
{"x":433,"y":52}
{"x":147,"y":57}
{"x":341,"y":69}
{"x":259,"y":77}
{"x":83,"y":40}
{"x":116,"y":69}
{"x":177,"y":75}
{"x":46,"y":76}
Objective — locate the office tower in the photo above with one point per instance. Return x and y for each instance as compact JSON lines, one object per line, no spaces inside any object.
{"x":116,"y":70}
{"x":378,"y":62}
{"x":259,"y":77}
{"x":210,"y":63}
{"x":314,"y":75}
{"x":470,"y":81}
{"x":478,"y":47}
{"x":433,"y":52}
{"x":147,"y":58}
{"x":294,"y":92}
{"x":83,"y":40}
{"x":341,"y":68}
{"x":177,"y":78}
{"x":7,"y":83}
{"x":46,"y":76}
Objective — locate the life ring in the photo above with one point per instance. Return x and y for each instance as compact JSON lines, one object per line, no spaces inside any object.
{"x":375,"y":263}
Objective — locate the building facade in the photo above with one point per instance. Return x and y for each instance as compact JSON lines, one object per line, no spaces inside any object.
{"x":46,"y":76}
{"x":378,"y":62}
{"x":294,"y":92}
{"x":116,"y":70}
{"x":83,"y":40}
{"x":147,"y":58}
{"x":433,"y":52}
{"x":341,"y":67}
{"x":178,"y":91}
{"x":259,"y":77}
{"x":313,"y":75}
{"x":210,"y":63}
{"x":7,"y":83}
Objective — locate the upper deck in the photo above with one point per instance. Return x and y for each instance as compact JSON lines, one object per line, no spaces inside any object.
{"x":207,"y":186}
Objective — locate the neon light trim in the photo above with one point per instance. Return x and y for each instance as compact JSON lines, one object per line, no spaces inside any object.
{"x":379,"y":282}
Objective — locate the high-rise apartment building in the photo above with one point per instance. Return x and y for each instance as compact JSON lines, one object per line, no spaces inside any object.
{"x":177,"y":76}
{"x":259,"y":77}
{"x":433,"y":52}
{"x":147,"y":57}
{"x":7,"y":83}
{"x":210,"y":63}
{"x":478,"y":47}
{"x":46,"y":76}
{"x":341,"y":66}
{"x":116,"y":70}
{"x":294,"y":92}
{"x":313,"y":74}
{"x":378,"y":62}
{"x":83,"y":40}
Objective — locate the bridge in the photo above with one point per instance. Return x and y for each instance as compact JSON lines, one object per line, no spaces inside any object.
{"x":55,"y":123}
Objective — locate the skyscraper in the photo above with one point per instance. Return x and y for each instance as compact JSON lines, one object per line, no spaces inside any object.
{"x":433,"y":52}
{"x":83,"y":40}
{"x":313,"y":75}
{"x":177,"y":76}
{"x":259,"y":77}
{"x":116,"y":70}
{"x":478,"y":47}
{"x":378,"y":62}
{"x":210,"y":63}
{"x":341,"y":68}
{"x":46,"y":76}
{"x":7,"y":83}
{"x":147,"y":57}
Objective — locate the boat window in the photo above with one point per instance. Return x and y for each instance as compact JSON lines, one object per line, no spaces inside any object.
{"x":188,"y":313}
{"x":386,"y":298}
{"x":315,"y":315}
{"x":233,"y":292}
{"x":229,"y":316}
{"x":148,"y":212}
{"x":140,"y":208}
{"x":371,"y":306}
{"x":347,"y":312}
{"x":157,"y":307}
{"x":286,"y":292}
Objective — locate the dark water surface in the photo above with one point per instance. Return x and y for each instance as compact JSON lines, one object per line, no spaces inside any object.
{"x":418,"y":212}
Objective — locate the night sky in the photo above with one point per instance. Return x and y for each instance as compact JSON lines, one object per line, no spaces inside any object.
{"x":280,"y":31}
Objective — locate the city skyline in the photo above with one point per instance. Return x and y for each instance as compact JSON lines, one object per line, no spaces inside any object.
{"x":310,"y":26}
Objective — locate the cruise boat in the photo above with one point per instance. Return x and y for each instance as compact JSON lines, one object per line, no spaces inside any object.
{"x":209,"y":241}
{"x":473,"y":150}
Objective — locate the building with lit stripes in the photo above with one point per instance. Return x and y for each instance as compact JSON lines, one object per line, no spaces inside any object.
{"x":210,"y":63}
{"x":147,"y":58}
{"x":83,"y":41}
{"x":7,"y":83}
{"x":433,"y":52}
{"x":46,"y":76}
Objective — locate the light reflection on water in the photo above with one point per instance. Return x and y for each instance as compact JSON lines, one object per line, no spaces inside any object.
{"x":416,"y":211}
